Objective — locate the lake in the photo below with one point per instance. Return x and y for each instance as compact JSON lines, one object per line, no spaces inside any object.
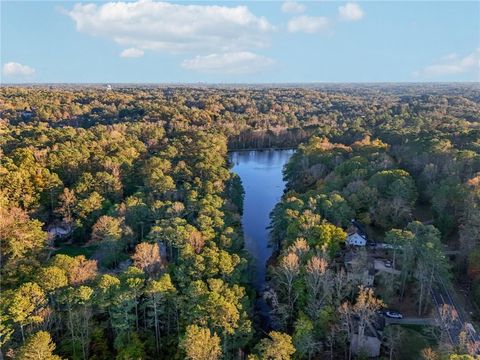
{"x":262,"y":179}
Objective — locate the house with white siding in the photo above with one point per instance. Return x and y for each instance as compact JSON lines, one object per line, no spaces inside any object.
{"x":355,"y":239}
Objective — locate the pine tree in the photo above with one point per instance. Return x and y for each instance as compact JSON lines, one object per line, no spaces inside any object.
{"x":38,"y":347}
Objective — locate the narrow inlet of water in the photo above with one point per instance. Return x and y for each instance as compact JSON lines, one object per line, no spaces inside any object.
{"x":262,"y":179}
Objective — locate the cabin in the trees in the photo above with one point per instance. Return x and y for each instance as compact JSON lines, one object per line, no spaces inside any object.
{"x":357,"y":236}
{"x":356,"y":239}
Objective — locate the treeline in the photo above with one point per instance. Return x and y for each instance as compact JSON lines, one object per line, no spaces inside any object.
{"x":247,"y":115}
{"x":268,"y":139}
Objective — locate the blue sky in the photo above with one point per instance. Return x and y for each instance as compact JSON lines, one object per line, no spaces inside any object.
{"x":239,"y":42}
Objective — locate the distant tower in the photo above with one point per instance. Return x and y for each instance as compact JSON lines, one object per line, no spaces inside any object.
{"x":109,"y":87}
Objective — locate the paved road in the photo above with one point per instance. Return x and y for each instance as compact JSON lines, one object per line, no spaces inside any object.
{"x":441,"y":295}
{"x":412,"y":321}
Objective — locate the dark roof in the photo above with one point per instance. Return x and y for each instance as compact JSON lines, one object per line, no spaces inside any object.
{"x":360,"y":229}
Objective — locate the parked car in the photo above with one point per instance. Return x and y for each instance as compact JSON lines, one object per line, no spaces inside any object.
{"x":393,"y":314}
{"x":388,"y":263}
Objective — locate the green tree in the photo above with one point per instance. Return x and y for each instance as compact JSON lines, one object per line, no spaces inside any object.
{"x":39,"y":346}
{"x":79,"y":270}
{"x":430,"y":264}
{"x":22,"y":240}
{"x":77,"y":302}
{"x":27,"y":305}
{"x":88,"y":210}
{"x":109,"y":233}
{"x":200,"y":344}
{"x":159,"y":292}
{"x":303,"y":337}
{"x":51,"y":278}
{"x":108,"y":286}
{"x":130,"y":348}
{"x":133,"y":280}
{"x":156,"y":177}
{"x":277,"y":346}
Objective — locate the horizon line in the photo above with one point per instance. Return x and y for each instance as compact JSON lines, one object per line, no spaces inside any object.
{"x":106,"y":83}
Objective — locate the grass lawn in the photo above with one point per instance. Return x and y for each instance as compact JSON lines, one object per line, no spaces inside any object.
{"x":75,"y":250}
{"x":414,"y":339}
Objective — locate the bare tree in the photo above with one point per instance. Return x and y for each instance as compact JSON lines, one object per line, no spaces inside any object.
{"x":299,"y":247}
{"x":429,"y":354}
{"x":342,"y":286}
{"x":359,"y":315}
{"x":424,"y":275}
{"x":366,"y":309}
{"x":347,"y":324}
{"x":67,"y":202}
{"x":147,"y":257}
{"x":319,"y":284}
{"x":448,"y":316}
{"x":286,"y":274}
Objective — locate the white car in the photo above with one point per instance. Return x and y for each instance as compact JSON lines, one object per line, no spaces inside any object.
{"x":388,"y":264}
{"x":393,"y":314}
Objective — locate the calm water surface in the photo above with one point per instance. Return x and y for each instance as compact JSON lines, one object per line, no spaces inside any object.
{"x":261,"y":174}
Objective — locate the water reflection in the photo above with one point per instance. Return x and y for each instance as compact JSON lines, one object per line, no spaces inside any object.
{"x":261,"y":174}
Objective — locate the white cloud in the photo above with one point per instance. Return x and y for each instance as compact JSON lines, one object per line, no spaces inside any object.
{"x":173,"y":28}
{"x":453,"y":64}
{"x":290,"y":6}
{"x":132,"y":53}
{"x":451,"y":56}
{"x":350,"y":12}
{"x":14,"y":69}
{"x":243,"y":62}
{"x":308,"y":24}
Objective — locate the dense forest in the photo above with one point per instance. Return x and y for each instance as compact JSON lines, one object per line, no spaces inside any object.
{"x":121,"y":236}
